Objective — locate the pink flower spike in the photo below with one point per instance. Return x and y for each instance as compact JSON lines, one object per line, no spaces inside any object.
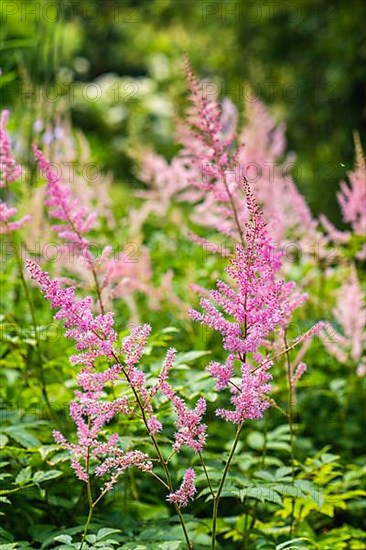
{"x":186,"y":491}
{"x":300,"y":369}
{"x":76,"y":221}
{"x":154,"y":425}
{"x":191,"y":431}
{"x":10,"y":171}
{"x":222,"y":373}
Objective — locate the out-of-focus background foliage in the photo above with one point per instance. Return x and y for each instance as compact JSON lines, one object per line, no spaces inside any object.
{"x":118,"y":66}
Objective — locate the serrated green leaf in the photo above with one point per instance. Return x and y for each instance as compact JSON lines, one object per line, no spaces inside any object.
{"x":41,"y":476}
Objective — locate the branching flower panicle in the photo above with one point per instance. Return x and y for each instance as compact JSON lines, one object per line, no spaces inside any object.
{"x":10,"y":171}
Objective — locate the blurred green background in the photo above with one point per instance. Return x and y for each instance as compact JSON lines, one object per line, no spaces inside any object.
{"x":117,"y":66}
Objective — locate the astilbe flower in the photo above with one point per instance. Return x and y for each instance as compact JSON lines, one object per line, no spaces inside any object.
{"x":76,"y":220}
{"x":255,"y":303}
{"x":215,"y":156}
{"x":352,"y":197}
{"x":352,"y":200}
{"x":10,"y":171}
{"x":204,"y":162}
{"x":350,"y":314}
{"x":245,"y":313}
{"x":70,"y":152}
{"x":116,"y":275}
{"x":95,"y":338}
{"x":186,"y":491}
{"x":191,"y":431}
{"x":96,"y":341}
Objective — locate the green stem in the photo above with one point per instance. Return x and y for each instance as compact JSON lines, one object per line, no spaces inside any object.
{"x":34,"y":325}
{"x":206,"y":474}
{"x":157,"y":449}
{"x":90,"y":496}
{"x":291,"y":390}
{"x":221,"y":486}
{"x":91,"y":509}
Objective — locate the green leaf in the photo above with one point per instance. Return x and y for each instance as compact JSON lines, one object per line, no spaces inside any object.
{"x":66,"y":539}
{"x":24,"y":476}
{"x":3,"y":440}
{"x":256,"y":440}
{"x":105,"y":532}
{"x":288,"y":544}
{"x":183,"y":358}
{"x":22,"y":437}
{"x":41,"y":476}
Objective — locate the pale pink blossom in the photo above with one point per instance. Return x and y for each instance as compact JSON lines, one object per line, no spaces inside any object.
{"x":186,"y":491}
{"x":350,"y":314}
{"x":191,"y":431}
{"x":352,"y":197}
{"x":10,"y":171}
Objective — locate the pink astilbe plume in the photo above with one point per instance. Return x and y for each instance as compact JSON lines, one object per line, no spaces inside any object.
{"x":250,"y":309}
{"x":94,"y":334}
{"x":75,"y":220}
{"x":215,"y":157}
{"x":350,"y":314}
{"x":10,"y":171}
{"x":96,"y":342}
{"x":249,"y":398}
{"x":352,"y":200}
{"x":205,"y":162}
{"x":116,"y":275}
{"x":186,"y":491}
{"x":95,"y":338}
{"x":191,"y":431}
{"x":245,"y":312}
{"x":70,"y":152}
{"x":352,"y":197}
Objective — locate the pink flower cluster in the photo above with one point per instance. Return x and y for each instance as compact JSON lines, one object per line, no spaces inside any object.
{"x":245,"y":313}
{"x":94,"y":334}
{"x":116,"y":275}
{"x":95,"y":339}
{"x":352,"y":197}
{"x":186,"y":491}
{"x":256,"y":303}
{"x":348,"y":346}
{"x":249,"y":398}
{"x":64,"y":207}
{"x":191,"y":431}
{"x":10,"y":171}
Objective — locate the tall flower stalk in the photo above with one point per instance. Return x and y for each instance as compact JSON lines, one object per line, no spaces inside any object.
{"x":245,"y":313}
{"x":96,"y":340}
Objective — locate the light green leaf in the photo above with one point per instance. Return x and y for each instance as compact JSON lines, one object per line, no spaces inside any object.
{"x":23,"y":437}
{"x":24,"y":476}
{"x":41,"y":476}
